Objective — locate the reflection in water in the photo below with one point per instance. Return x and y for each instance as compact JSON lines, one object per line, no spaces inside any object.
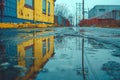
{"x":116,"y":53}
{"x":95,"y":44}
{"x":102,"y":62}
{"x":22,"y":60}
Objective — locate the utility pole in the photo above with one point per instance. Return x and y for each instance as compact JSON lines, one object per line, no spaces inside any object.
{"x":83,"y":9}
{"x":78,"y":16}
{"x":83,"y":63}
{"x":78,"y":12}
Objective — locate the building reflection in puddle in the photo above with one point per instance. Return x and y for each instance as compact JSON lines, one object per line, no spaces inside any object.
{"x":23,"y":60}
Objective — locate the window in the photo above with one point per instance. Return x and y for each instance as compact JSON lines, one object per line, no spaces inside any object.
{"x":44,"y":47}
{"x":48,"y":45}
{"x":48,"y":8}
{"x":29,"y":3}
{"x":29,"y":55}
{"x":102,"y":10}
{"x":44,"y":6}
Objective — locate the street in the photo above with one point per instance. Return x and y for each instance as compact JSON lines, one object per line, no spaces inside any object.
{"x":101,"y":47}
{"x":101,"y":53}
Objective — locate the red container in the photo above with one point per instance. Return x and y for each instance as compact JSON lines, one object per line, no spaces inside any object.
{"x":67,"y":22}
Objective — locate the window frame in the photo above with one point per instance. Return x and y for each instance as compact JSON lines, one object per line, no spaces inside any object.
{"x":27,"y":48}
{"x":49,"y":7}
{"x":29,"y":6}
{"x":44,"y":6}
{"x":49,"y":44}
{"x":44,"y":47}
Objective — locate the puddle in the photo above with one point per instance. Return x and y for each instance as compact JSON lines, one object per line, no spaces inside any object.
{"x":116,"y":53}
{"x":112,"y":69}
{"x":96,"y":45}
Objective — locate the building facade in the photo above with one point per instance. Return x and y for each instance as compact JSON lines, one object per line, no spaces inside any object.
{"x":114,"y":14}
{"x":19,"y":11}
{"x":102,"y":9}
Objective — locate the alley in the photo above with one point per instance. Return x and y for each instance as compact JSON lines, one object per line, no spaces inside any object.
{"x":56,"y":54}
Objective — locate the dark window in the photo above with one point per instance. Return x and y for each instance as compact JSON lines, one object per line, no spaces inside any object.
{"x":48,"y":8}
{"x":44,"y":47}
{"x":102,"y":10}
{"x":44,"y":6}
{"x":28,"y":56}
{"x":48,"y":45}
{"x":29,"y":3}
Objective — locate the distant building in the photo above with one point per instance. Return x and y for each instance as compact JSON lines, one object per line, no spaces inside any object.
{"x":114,"y":14}
{"x":99,"y":10}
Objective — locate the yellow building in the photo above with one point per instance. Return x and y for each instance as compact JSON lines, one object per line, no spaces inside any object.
{"x":33,"y":54}
{"x":24,"y":11}
{"x":37,"y":10}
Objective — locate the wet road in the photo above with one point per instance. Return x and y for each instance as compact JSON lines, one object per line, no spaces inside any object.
{"x":101,"y":48}
{"x":23,"y":52}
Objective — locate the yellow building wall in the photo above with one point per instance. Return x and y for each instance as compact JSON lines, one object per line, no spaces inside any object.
{"x":21,"y":51}
{"x":36,"y":13}
{"x":37,"y":53}
{"x":39,"y":16}
{"x":39,"y":60}
{"x":24,"y":12}
{"x":21,"y":54}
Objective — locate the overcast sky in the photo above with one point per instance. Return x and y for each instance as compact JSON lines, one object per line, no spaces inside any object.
{"x":88,"y":3}
{"x":71,"y":4}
